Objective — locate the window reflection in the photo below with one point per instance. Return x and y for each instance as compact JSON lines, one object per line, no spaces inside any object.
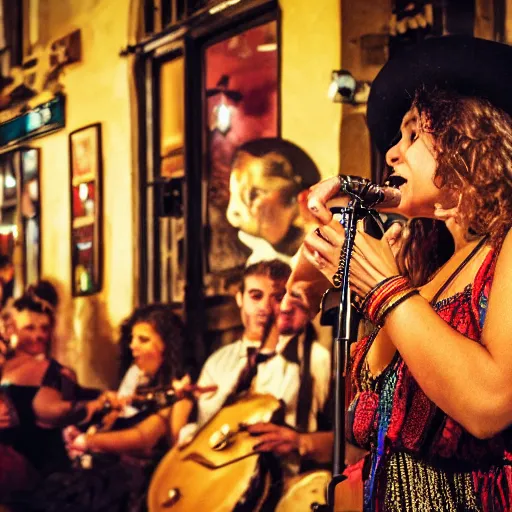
{"x":242,"y":104}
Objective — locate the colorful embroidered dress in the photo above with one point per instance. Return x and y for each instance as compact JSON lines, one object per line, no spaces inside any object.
{"x":420,"y":458}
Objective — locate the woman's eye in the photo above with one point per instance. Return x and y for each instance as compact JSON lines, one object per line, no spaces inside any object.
{"x":413,"y":137}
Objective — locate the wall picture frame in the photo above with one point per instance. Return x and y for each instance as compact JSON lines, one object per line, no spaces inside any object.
{"x":86,"y":170}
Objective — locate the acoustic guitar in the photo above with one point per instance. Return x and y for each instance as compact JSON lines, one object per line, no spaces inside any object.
{"x":218,"y":471}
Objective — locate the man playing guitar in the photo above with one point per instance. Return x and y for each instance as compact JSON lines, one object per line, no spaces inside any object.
{"x":277,"y":355}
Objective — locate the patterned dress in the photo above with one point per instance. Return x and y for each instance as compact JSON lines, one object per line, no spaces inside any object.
{"x":420,"y":458}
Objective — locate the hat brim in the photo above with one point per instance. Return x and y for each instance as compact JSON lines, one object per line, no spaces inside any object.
{"x":466,"y":65}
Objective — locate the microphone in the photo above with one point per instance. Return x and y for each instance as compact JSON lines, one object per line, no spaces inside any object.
{"x":369,"y":194}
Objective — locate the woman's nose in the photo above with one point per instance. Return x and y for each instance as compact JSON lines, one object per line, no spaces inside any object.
{"x":394,"y":155}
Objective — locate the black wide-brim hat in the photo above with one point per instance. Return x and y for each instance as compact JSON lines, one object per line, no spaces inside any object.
{"x":463,"y":64}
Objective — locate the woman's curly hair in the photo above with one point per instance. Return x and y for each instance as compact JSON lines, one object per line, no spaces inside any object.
{"x":473,"y":146}
{"x":170,"y":328}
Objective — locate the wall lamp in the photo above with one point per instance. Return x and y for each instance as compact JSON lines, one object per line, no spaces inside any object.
{"x":345,"y":88}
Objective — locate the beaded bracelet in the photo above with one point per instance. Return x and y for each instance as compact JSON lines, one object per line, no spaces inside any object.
{"x":394,"y":302}
{"x":386,"y":296}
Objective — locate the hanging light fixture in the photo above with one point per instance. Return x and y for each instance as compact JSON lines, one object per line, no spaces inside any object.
{"x":222,"y":113}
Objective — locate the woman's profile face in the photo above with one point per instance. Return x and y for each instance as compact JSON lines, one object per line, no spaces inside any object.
{"x":414,"y":165}
{"x":147,"y":348}
{"x":258,"y":203}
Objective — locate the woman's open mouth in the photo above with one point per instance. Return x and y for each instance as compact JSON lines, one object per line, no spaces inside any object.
{"x":395,"y":181}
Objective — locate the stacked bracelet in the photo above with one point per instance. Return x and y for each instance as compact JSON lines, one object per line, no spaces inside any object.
{"x":386,"y":296}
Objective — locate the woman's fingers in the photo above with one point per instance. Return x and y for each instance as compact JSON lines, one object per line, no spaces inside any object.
{"x":362,"y":279}
{"x":319,"y":195}
{"x":327,"y":242}
{"x":378,"y":253}
{"x":322,"y":265}
{"x":394,"y":237}
{"x":322,"y":248}
{"x":446,"y":214}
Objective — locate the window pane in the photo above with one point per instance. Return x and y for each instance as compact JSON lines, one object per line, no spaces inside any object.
{"x":242,"y":104}
{"x":172,"y":100}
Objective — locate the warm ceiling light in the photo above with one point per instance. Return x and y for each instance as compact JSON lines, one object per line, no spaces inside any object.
{"x":267,"y":47}
{"x":223,"y":118}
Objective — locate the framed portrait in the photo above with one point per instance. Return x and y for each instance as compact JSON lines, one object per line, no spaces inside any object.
{"x":85,"y":163}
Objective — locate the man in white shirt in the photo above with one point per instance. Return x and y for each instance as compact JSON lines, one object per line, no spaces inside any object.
{"x":294,"y":368}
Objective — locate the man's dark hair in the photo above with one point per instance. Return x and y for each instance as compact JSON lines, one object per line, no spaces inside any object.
{"x":275,"y":269}
{"x":30,"y":302}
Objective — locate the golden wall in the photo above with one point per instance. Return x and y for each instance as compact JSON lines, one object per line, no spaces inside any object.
{"x":96,"y":91}
{"x":311,"y":49}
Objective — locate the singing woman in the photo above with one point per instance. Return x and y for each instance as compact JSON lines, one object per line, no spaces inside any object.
{"x":433,"y":381}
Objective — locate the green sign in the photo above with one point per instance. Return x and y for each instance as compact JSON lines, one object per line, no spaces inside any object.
{"x":42,"y":119}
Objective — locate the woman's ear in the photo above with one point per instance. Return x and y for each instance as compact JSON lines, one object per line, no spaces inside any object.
{"x":238,"y":298}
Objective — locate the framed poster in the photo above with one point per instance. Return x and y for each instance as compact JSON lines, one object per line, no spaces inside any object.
{"x":85,"y":162}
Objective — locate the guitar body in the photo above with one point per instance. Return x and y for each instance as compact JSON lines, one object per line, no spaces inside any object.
{"x":218,"y":471}
{"x":303,"y":490}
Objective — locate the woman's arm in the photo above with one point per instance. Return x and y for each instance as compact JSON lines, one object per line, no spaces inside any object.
{"x":179,"y":418}
{"x":140,"y":438}
{"x":52,"y":410}
{"x":471,"y":382}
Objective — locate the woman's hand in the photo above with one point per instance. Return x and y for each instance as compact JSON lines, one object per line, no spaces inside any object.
{"x":108,"y":400}
{"x":322,"y":248}
{"x":75,"y":442}
{"x":372,"y":260}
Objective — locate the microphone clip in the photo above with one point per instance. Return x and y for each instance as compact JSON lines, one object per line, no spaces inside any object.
{"x":367,"y":193}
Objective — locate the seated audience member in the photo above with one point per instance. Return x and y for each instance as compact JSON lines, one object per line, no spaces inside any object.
{"x":23,"y":375}
{"x":123,"y":459}
{"x":155,"y":360}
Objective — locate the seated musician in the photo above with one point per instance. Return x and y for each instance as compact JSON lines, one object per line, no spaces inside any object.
{"x":155,"y":338}
{"x":292,"y":366}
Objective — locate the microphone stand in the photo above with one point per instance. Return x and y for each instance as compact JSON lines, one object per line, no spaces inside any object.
{"x":341,"y":343}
